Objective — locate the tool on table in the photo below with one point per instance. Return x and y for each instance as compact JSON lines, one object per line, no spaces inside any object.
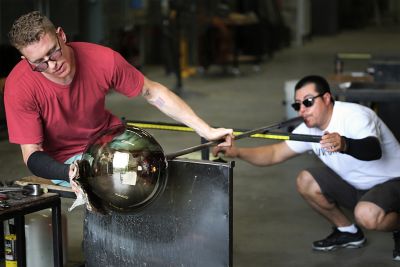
{"x":30,"y":189}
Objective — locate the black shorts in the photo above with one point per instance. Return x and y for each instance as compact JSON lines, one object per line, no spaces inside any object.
{"x":336,"y":190}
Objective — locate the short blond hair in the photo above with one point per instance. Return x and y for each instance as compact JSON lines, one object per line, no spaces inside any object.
{"x":29,"y":28}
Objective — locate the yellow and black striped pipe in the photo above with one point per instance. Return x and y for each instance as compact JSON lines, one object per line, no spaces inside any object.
{"x":270,"y":135}
{"x":258,"y":132}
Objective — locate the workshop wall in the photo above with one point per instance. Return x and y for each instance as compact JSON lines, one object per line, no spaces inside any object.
{"x":204,"y":32}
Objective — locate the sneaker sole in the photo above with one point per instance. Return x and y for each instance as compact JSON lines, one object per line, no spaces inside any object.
{"x":356,"y":244}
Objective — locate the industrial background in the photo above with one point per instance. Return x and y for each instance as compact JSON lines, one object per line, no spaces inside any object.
{"x":235,"y":62}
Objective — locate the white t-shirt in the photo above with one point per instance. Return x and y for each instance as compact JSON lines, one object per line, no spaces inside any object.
{"x":357,"y":122}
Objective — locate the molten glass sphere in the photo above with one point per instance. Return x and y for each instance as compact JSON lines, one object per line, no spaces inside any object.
{"x":123,"y":170}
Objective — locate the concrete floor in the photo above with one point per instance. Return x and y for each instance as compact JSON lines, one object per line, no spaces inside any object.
{"x":272,"y":225}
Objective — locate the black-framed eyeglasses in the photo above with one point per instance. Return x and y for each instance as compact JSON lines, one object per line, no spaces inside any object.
{"x":42,"y":66}
{"x":308,"y":102}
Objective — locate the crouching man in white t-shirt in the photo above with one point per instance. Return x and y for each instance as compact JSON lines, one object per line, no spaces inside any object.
{"x":362,"y":171}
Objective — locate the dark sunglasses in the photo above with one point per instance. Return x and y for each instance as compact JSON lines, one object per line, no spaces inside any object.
{"x":306,"y":102}
{"x":54,"y":56}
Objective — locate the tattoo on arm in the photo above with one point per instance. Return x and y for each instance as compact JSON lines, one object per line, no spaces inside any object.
{"x":146,"y":92}
{"x":159,"y":102}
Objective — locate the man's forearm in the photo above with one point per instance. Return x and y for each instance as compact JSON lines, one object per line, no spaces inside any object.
{"x":363,"y":149}
{"x":42,"y":165}
{"x":174,"y":107}
{"x":258,"y":156}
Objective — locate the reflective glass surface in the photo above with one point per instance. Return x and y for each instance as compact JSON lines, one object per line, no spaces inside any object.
{"x":123,"y":169}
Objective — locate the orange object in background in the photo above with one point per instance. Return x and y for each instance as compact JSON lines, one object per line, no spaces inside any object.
{"x":186,"y":70}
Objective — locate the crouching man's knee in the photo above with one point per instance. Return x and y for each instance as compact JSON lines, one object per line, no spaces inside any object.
{"x":368,"y":215}
{"x":306,"y":184}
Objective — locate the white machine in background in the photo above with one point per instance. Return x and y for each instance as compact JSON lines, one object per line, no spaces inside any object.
{"x":289,"y":99}
{"x":39,"y":238}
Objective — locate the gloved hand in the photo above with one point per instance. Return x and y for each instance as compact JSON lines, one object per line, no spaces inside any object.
{"x":81,"y":196}
{"x":73,"y":175}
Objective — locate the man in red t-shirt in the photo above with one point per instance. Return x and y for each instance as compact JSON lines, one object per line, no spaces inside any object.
{"x":55,"y":96}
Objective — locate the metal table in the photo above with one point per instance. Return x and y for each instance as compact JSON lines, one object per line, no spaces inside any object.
{"x":29,"y":204}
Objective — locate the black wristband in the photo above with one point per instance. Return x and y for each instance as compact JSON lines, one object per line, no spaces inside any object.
{"x":345,"y":146}
{"x":368,"y":148}
{"x":42,"y":165}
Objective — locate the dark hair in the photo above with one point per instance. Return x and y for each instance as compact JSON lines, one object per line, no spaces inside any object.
{"x":29,"y":28}
{"x":321,"y":84}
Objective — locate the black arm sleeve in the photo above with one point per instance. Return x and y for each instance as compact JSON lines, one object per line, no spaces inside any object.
{"x":42,"y":165}
{"x":366,"y":149}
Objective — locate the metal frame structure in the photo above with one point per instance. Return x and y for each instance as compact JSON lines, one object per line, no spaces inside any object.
{"x":29,"y":204}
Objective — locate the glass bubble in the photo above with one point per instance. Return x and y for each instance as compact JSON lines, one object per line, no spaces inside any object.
{"x":123,"y":169}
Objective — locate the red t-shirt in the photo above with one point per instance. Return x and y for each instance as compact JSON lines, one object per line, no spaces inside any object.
{"x":65,"y":117}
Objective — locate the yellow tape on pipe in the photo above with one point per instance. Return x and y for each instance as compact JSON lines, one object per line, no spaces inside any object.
{"x":188,"y":129}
